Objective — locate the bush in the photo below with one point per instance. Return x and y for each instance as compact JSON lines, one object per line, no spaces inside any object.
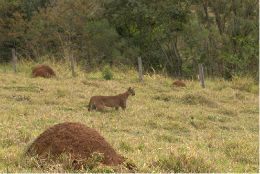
{"x":107,"y":73}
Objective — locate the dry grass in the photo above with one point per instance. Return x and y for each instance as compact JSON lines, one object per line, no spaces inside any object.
{"x":164,"y":129}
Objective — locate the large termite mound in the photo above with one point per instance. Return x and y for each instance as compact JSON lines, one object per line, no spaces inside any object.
{"x":179,"y":83}
{"x":43,"y":70}
{"x":75,"y":139}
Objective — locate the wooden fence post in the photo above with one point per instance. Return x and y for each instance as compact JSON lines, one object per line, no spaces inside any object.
{"x":72,"y":63}
{"x":14,"y":60}
{"x":201,"y":75}
{"x":140,"y":69}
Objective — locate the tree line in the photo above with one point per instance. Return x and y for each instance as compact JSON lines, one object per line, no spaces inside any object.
{"x":172,"y":36}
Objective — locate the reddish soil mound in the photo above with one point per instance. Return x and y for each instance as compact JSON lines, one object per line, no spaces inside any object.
{"x":43,"y":70}
{"x":75,"y":139}
{"x":179,"y":83}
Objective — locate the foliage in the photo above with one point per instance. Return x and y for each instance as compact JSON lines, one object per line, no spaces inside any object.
{"x":171,"y":36}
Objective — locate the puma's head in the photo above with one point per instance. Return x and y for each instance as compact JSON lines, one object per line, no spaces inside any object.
{"x":131,"y":91}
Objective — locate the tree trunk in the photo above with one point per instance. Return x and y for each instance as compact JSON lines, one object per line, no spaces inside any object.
{"x":166,"y":56}
{"x":178,"y":57}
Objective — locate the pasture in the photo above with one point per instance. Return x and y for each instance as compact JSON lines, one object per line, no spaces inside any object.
{"x":164,"y":128}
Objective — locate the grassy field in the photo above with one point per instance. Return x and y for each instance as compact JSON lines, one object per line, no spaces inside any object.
{"x":164,"y":129}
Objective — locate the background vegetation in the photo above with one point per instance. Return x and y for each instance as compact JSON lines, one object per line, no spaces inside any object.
{"x":170,"y":36}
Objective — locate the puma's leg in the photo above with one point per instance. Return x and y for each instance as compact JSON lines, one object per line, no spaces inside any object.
{"x":100,"y":107}
{"x":123,"y":105}
{"x":91,"y":107}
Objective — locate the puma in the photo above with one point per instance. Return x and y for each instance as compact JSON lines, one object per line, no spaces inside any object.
{"x":110,"y":101}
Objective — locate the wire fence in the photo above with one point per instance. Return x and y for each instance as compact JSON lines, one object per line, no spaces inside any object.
{"x":106,"y":71}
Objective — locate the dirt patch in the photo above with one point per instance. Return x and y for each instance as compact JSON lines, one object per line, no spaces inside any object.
{"x":179,"y":83}
{"x":75,"y":139}
{"x":43,"y":70}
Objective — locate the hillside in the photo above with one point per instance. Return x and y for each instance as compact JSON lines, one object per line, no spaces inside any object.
{"x":164,"y":128}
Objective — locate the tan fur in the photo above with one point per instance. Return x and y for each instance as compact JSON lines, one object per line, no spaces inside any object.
{"x":110,"y":101}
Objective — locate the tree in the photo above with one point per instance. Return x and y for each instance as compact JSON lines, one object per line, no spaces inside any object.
{"x":153,"y":27}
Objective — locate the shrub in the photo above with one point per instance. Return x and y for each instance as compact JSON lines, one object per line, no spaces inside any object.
{"x":107,"y":73}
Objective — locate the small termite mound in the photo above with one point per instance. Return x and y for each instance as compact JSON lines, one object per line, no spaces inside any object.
{"x":43,"y":70}
{"x":179,"y":83}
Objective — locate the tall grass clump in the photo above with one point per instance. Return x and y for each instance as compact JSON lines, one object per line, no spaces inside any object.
{"x":244,"y":84}
{"x":192,"y":98}
{"x":184,"y":162}
{"x":241,"y":151}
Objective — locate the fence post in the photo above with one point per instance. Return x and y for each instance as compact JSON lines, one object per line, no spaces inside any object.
{"x":14,"y":60}
{"x":140,"y":69}
{"x":201,"y":75}
{"x":72,"y":63}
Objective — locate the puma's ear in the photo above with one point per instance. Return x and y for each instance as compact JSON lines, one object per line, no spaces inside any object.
{"x":129,"y":88}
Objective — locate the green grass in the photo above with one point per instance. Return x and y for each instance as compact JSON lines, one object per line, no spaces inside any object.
{"x":164,"y":129}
